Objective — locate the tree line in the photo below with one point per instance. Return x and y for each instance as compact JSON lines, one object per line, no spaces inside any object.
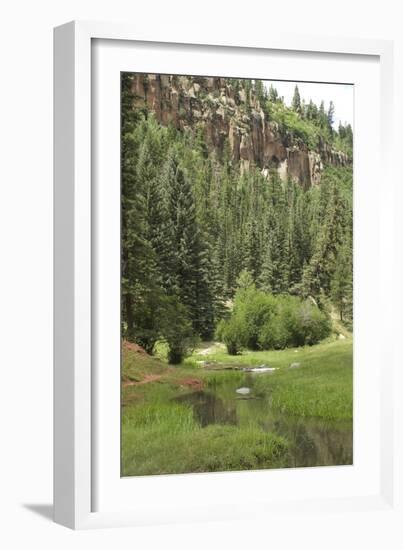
{"x":192,"y":222}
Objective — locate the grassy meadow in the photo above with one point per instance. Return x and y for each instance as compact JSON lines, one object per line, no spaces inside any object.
{"x":161,"y":435}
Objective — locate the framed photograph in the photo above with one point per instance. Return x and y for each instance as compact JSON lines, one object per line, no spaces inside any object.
{"x":222,"y":248}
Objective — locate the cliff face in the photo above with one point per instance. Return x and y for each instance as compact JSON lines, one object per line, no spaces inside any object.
{"x":225,"y":114}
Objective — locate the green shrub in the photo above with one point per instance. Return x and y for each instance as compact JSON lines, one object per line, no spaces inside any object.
{"x":230,"y":331}
{"x":255,"y":310}
{"x":314,"y":324}
{"x":306,"y":323}
{"x":274,"y":335}
{"x":263,"y":321}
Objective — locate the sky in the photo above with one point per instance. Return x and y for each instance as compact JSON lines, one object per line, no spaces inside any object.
{"x":342,"y":96}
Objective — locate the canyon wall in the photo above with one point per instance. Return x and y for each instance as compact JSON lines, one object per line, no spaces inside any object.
{"x":232,"y":116}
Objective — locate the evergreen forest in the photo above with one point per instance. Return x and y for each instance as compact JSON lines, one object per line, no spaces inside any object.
{"x":212,"y":250}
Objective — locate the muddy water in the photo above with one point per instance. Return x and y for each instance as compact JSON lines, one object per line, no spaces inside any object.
{"x":313,"y":441}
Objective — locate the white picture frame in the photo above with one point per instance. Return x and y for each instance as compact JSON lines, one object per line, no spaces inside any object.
{"x":86,"y":491}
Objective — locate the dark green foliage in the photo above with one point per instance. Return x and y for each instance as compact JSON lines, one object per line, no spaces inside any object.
{"x":296,"y":101}
{"x":344,"y":139}
{"x":197,"y":230}
{"x":342,"y":283}
{"x":148,"y":317}
{"x":334,"y":224}
{"x":177,"y":330}
{"x":311,"y":111}
{"x":138,"y":260}
{"x":322,"y":115}
{"x":273,"y":94}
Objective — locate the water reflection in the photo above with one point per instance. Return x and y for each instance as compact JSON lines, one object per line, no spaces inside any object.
{"x":210,"y":409}
{"x":313,"y":441}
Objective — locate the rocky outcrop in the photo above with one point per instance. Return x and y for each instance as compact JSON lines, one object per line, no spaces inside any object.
{"x":227,"y":115}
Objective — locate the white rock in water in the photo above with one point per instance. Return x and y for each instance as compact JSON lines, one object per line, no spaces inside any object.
{"x":243,"y":391}
{"x":262,"y":369}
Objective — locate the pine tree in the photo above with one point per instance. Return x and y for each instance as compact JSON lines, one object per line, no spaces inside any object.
{"x":217,"y":285}
{"x":273,"y":94}
{"x":136,"y":251}
{"x":252,"y":259}
{"x":278,"y":235}
{"x":349,"y":135}
{"x":342,"y":284}
{"x":341,"y":131}
{"x":330,"y":116}
{"x":164,"y":238}
{"x":260,"y":90}
{"x":322,"y":116}
{"x":183,"y":216}
{"x":296,"y":101}
{"x":314,"y":113}
{"x":185,"y":263}
{"x":245,"y":281}
{"x":207,"y":305}
{"x":296,"y":234}
{"x":266,"y":273}
{"x":331,"y":219}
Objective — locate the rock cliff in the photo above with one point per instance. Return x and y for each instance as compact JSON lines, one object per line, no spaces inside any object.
{"x":227,"y":114}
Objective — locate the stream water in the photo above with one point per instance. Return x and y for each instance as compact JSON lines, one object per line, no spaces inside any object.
{"x":313,"y":441}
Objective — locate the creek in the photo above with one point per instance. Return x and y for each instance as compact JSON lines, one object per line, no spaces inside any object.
{"x":313,"y":441}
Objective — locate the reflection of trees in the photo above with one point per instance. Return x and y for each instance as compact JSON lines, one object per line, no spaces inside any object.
{"x":306,"y":449}
{"x":210,"y":409}
{"x":317,"y":444}
{"x":340,"y":446}
{"x":313,"y":442}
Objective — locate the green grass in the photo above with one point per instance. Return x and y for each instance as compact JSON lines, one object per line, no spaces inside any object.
{"x":172,"y":382}
{"x":172,"y":418}
{"x":321,"y":387}
{"x":161,"y":435}
{"x":169,"y":440}
{"x":278,"y":359}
